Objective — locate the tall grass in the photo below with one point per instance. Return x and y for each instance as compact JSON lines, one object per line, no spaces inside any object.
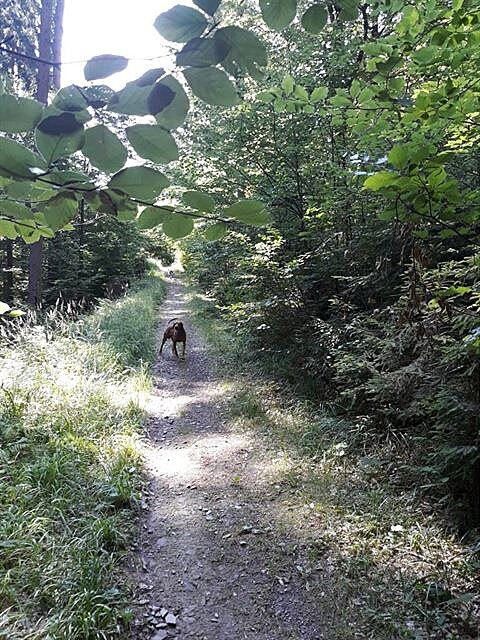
{"x":70,"y":413}
{"x":398,"y":568}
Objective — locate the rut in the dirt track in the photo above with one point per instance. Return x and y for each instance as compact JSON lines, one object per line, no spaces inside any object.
{"x":207,"y":551}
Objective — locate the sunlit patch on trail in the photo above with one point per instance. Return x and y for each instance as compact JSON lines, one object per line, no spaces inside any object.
{"x":191,"y":461}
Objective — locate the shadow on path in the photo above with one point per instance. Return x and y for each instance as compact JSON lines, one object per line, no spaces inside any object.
{"x":208,"y":550}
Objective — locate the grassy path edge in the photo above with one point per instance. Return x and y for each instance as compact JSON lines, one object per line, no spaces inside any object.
{"x":70,"y":415}
{"x":398,"y":568}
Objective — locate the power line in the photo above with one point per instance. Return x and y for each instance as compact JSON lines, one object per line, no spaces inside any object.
{"x":58,"y":64}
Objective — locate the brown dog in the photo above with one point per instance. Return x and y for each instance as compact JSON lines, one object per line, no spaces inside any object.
{"x":176,"y":333}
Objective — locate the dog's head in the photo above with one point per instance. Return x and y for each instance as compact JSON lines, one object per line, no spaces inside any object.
{"x":178,"y":326}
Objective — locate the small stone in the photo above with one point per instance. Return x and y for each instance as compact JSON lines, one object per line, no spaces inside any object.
{"x":188,"y":586}
{"x":171,"y":619}
{"x":160,"y":635}
{"x":163,"y":612}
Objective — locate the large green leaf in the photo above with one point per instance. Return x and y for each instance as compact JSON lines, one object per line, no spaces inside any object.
{"x":198,"y":200}
{"x":180,"y":23}
{"x":380,"y":180}
{"x":425,"y":55}
{"x":153,"y":142}
{"x":202,"y":52}
{"x":104,"y":66}
{"x":159,"y":98}
{"x":349,"y":10}
{"x":126,"y":210}
{"x":245,"y":52}
{"x":114,"y":202}
{"x":212,"y":86}
{"x":216,"y":231}
{"x":60,"y":210}
{"x":97,"y":96}
{"x":132,"y":100}
{"x":9,"y":230}
{"x":104,"y":149}
{"x":70,"y":99}
{"x":142,"y":183}
{"x":315,"y":18}
{"x":18,"y":114}
{"x":250,"y":211}
{"x":53,"y":147}
{"x":319,"y":93}
{"x":63,"y":123}
{"x":153,"y":216}
{"x":209,"y":6}
{"x":278,"y":14}
{"x":149,"y":78}
{"x":67,"y":178}
{"x":20,"y":189}
{"x":399,"y":156}
{"x":178,"y":225}
{"x":15,"y":209}
{"x":172,"y":114}
{"x":17,"y":161}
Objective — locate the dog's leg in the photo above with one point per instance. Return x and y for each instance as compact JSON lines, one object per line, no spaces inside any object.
{"x":174,"y":348}
{"x":164,"y":340}
{"x":184,"y":344}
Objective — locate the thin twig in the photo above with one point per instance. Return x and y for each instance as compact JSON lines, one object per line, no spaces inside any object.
{"x":57,"y":63}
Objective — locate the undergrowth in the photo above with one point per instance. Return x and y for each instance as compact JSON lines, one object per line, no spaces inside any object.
{"x":70,"y":413}
{"x":365,"y":533}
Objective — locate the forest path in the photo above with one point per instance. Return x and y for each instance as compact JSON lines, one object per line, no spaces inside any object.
{"x":210,"y":549}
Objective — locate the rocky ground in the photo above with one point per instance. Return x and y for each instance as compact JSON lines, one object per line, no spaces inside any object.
{"x":213,"y":560}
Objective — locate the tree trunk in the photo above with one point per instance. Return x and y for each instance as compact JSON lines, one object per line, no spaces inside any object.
{"x":50,"y":42}
{"x":57,"y":41}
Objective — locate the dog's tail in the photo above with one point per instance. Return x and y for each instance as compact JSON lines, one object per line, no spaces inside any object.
{"x":170,"y":321}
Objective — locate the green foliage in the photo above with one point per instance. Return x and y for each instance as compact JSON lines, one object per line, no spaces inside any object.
{"x":152,"y":216}
{"x":69,"y":422}
{"x":177,"y":225}
{"x":180,"y":23}
{"x":278,"y":14}
{"x":211,"y":85}
{"x":104,"y":149}
{"x":251,"y":211}
{"x":104,"y":66}
{"x":172,"y":114}
{"x":209,"y":6}
{"x":216,"y":231}
{"x":198,"y":200}
{"x":17,"y":161}
{"x":18,"y":114}
{"x":314,"y":19}
{"x":153,"y":142}
{"x":139,"y":182}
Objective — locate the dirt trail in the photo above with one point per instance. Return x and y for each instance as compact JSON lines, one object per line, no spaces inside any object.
{"x":210,"y":551}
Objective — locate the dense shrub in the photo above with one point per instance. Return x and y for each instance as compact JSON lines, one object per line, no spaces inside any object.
{"x":395,"y":342}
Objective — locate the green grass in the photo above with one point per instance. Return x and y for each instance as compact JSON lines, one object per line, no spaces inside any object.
{"x":70,"y":416}
{"x":395,"y":565}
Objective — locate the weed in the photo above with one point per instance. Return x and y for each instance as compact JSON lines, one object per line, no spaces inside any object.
{"x":399,"y":571}
{"x":70,"y":412}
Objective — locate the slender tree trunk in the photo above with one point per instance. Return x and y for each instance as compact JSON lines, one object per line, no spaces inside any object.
{"x":57,"y":41}
{"x":50,"y":40}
